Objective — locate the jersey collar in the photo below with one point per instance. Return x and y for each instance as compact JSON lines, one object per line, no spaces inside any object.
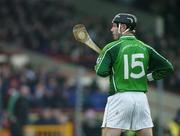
{"x":127,"y":37}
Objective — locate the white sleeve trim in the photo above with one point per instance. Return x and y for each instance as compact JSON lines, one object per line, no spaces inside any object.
{"x":150,"y":77}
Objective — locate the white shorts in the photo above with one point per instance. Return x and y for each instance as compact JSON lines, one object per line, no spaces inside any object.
{"x":127,"y":111}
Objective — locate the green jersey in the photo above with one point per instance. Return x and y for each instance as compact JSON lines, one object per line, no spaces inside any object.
{"x":130,"y":63}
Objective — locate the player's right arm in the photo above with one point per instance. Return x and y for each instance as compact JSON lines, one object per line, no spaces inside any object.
{"x":159,"y":66}
{"x":103,"y":64}
{"x":105,"y":59}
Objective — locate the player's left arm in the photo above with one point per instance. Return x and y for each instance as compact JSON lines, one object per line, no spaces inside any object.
{"x":160,"y":67}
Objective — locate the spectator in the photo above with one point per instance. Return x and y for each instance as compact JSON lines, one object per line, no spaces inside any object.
{"x":90,"y":125}
{"x":96,"y":99}
{"x":18,"y":110}
{"x":60,"y":116}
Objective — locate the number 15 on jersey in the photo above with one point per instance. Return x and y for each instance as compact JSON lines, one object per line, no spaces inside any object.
{"x":133,"y":64}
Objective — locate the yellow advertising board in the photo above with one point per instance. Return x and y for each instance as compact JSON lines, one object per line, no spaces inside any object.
{"x":49,"y":130}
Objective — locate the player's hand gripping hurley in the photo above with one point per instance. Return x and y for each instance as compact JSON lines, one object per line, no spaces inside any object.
{"x":81,"y":35}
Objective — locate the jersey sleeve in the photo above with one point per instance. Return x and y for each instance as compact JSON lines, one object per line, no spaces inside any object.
{"x":159,"y":67}
{"x":103,"y":63}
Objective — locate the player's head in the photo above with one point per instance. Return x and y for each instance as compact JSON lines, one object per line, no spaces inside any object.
{"x":125,"y":23}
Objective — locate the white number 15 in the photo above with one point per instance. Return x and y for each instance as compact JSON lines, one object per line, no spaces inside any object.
{"x":134,"y":63}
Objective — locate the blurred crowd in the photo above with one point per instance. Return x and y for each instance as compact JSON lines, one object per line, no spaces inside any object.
{"x":49,"y":95}
{"x":45,"y":26}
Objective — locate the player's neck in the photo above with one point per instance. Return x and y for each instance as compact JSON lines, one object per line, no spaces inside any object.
{"x":127,"y":34}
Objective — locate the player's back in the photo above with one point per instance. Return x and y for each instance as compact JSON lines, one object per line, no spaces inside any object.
{"x":127,"y":61}
{"x":130,"y":66}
